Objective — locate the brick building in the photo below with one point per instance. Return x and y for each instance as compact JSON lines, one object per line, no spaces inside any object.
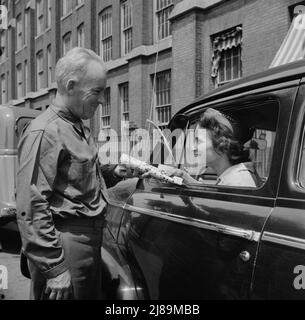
{"x":198,"y":45}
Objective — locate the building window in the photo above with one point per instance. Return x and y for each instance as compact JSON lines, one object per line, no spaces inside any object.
{"x":19,"y":32}
{"x":67,"y":43}
{"x":39,"y":17}
{"x":163,"y":98}
{"x":105,"y":30}
{"x":3,"y":45}
{"x":49,"y":14}
{"x":81,"y":36}
{"x":126,"y":26}
{"x":79,"y":2}
{"x":39,"y":70}
{"x":124,"y":95}
{"x":19,"y":81}
{"x":49,"y":64}
{"x":163,"y":9}
{"x":3,"y":90}
{"x":26,"y":27}
{"x":26,"y":75}
{"x":67,"y":6}
{"x":226,"y":59}
{"x":105,"y":111}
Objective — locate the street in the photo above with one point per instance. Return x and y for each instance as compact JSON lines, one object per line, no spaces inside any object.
{"x":18,"y":285}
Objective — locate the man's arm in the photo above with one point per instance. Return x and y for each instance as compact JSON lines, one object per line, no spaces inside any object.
{"x":113,"y":174}
{"x":38,"y":159}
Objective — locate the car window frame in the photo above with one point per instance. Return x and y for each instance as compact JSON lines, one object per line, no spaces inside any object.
{"x":220,"y":105}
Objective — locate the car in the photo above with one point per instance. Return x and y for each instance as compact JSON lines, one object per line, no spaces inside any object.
{"x":12,"y":121}
{"x":205,"y":241}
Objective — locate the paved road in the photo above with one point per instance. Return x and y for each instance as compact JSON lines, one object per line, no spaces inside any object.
{"x":18,"y":286}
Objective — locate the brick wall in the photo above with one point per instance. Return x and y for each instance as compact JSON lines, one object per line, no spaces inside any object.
{"x":264,"y":23}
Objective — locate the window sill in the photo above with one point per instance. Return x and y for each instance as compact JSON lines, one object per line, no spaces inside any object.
{"x":67,"y":15}
{"x":48,"y":29}
{"x":21,"y":49}
{"x":39,"y":36}
{"x":79,"y":6}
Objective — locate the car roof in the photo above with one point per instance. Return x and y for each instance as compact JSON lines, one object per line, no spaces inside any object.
{"x":19,"y":112}
{"x":272,"y":76}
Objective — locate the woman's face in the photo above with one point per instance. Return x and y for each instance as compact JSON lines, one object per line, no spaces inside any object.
{"x":204,"y":149}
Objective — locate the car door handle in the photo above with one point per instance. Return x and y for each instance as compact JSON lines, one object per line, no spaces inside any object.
{"x":237,"y":232}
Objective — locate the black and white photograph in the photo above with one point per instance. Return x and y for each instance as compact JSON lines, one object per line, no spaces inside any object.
{"x":152,"y":150}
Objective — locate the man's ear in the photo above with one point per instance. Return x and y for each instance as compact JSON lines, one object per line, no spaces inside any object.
{"x":71,"y":86}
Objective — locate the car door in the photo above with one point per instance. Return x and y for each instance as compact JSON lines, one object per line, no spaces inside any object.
{"x":201,"y":242}
{"x":279,"y":273}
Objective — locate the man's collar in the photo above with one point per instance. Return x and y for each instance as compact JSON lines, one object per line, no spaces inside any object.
{"x":64,"y":113}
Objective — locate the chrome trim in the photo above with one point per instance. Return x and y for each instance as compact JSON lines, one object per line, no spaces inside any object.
{"x":284,"y":240}
{"x":221,"y":228}
{"x":8,"y":152}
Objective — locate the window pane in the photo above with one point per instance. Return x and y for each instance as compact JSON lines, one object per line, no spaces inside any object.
{"x":163,"y":97}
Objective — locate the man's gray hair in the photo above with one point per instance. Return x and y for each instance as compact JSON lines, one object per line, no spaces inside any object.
{"x":74,"y":66}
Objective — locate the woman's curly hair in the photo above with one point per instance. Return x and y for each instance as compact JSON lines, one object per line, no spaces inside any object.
{"x":227,"y":134}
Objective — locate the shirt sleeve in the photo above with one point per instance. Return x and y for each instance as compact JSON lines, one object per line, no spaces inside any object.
{"x":108,"y":174}
{"x":38,"y":159}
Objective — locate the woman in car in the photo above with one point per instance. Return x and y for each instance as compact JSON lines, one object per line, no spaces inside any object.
{"x":221,"y":145}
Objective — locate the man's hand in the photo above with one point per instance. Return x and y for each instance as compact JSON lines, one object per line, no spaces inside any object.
{"x":59,"y":288}
{"x":120,"y":171}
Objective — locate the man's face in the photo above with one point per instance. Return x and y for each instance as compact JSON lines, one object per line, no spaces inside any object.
{"x":89,"y":92}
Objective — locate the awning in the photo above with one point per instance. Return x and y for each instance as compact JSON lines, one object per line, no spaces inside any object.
{"x":293,"y":46}
{"x":226,"y":41}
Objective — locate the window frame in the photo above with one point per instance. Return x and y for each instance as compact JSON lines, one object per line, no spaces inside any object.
{"x":66,"y":36}
{"x":3,"y":90}
{"x":226,"y":80}
{"x":164,"y":105}
{"x":19,"y":81}
{"x":81,"y":35}
{"x":194,"y":115}
{"x":169,"y":7}
{"x":19,"y":33}
{"x":3,"y":37}
{"x":39,"y":70}
{"x":105,"y":36}
{"x":49,"y":65}
{"x":124,"y":112}
{"x":126,"y":31}
{"x":49,"y":14}
{"x":39,"y":17}
{"x":26,"y":74}
{"x":67,"y":7}
{"x":106,"y":107}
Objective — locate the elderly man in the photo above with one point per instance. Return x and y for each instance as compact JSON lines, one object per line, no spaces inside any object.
{"x":61,"y":193}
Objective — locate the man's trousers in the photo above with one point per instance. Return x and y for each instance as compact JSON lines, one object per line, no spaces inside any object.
{"x":81,"y":240}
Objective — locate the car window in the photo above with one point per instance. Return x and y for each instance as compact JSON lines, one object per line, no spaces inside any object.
{"x":262,"y":118}
{"x":21,"y":124}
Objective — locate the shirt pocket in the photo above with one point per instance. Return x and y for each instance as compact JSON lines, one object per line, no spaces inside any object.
{"x":81,"y":175}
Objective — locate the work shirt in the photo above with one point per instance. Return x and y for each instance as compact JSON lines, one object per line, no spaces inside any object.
{"x":59,"y":177}
{"x":240,"y":175}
